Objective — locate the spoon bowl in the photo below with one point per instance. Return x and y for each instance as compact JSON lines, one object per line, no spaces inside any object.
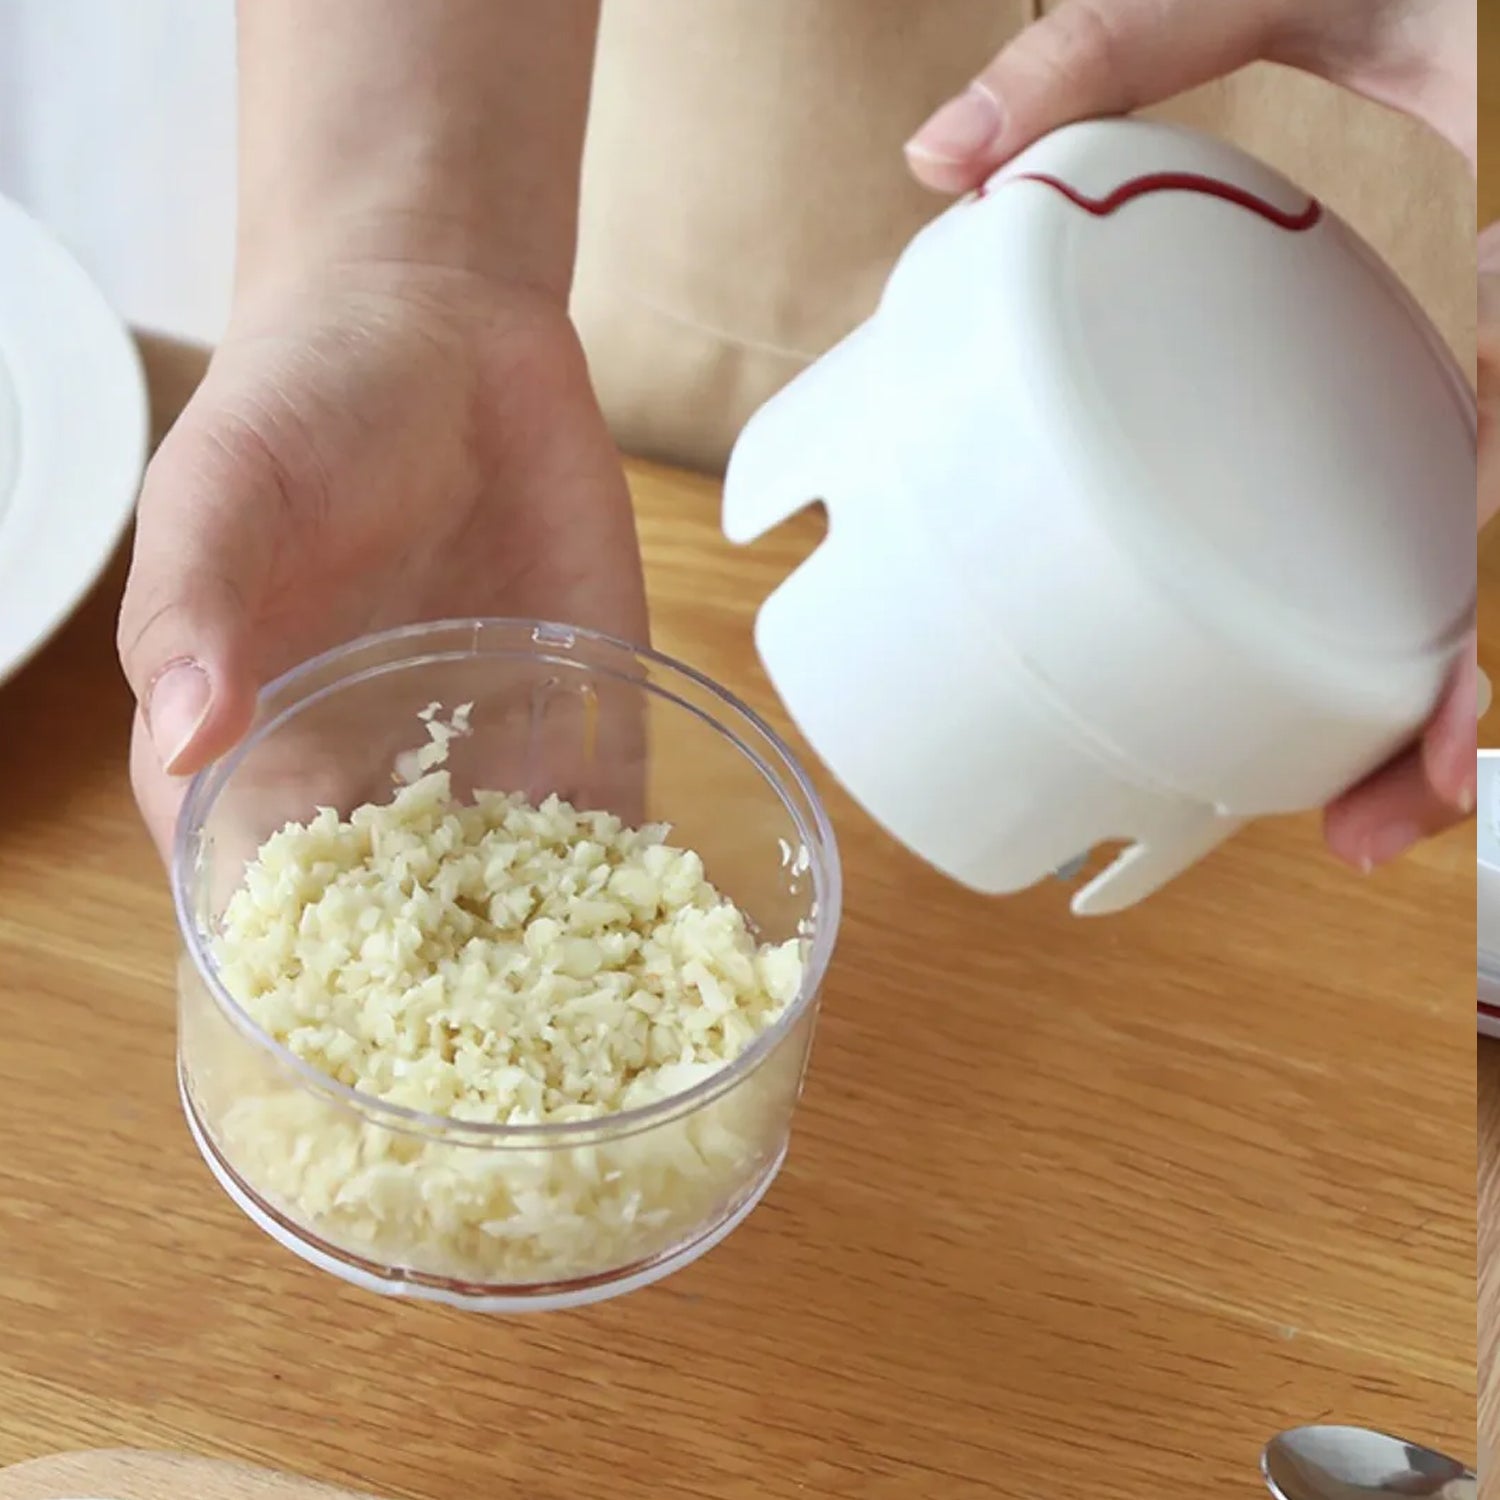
{"x":1353,"y":1463}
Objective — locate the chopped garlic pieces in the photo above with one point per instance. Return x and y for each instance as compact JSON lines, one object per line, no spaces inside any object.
{"x":503,"y":963}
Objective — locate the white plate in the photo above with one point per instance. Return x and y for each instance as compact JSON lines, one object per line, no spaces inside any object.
{"x":1487,"y":892}
{"x":74,"y":424}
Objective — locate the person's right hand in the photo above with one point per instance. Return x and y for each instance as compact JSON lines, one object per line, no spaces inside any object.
{"x":374,"y":445}
{"x":1087,"y":58}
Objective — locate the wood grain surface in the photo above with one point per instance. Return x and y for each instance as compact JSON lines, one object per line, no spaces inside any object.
{"x":1085,"y":1210}
{"x":125,"y":1475}
{"x":1489,"y":1267}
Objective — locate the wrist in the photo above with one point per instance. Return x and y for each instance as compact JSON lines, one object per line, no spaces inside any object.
{"x":421,"y":237}
{"x":443,"y":134}
{"x":366,"y":282}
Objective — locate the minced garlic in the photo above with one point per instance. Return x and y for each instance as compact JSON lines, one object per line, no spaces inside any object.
{"x":495,"y":963}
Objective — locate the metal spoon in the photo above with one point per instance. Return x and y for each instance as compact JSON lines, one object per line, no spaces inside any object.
{"x":1352,"y":1463}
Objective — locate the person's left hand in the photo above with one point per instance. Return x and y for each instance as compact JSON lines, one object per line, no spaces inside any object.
{"x":1089,"y":58}
{"x":373,"y":446}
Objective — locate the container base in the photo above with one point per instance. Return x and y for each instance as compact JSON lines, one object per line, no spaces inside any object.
{"x":395,"y":1283}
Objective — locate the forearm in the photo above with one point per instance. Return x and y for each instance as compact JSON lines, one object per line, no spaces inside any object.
{"x":438,"y":132}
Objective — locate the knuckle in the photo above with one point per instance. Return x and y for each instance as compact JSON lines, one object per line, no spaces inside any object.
{"x":203,"y":512}
{"x":1094,"y":47}
{"x":1080,"y":43}
{"x":141,"y":622}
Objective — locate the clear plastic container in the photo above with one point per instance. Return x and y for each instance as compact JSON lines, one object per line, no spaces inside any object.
{"x":502,"y":1218}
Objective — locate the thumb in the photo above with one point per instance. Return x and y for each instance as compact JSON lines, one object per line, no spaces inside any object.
{"x":184,"y":625}
{"x":1084,"y":59}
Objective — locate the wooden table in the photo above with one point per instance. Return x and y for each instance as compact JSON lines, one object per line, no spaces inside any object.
{"x":1081,"y":1210}
{"x":1489,"y":1261}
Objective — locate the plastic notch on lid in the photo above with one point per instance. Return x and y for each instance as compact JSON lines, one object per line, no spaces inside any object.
{"x":1150,"y":494}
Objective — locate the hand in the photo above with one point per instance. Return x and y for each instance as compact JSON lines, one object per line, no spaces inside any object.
{"x":1108,"y":57}
{"x":1105,"y":57}
{"x":373,"y":445}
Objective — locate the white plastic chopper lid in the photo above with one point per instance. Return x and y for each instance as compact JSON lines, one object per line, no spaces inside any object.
{"x":1151,"y":510}
{"x":73,"y":434}
{"x":1487,"y":892}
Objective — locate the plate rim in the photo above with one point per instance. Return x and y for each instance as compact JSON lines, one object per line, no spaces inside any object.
{"x":105,"y":370}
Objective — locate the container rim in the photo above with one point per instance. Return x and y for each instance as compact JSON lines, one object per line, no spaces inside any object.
{"x":784,"y":773}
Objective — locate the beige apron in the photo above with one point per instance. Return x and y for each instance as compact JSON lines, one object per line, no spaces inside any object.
{"x":745,"y":192}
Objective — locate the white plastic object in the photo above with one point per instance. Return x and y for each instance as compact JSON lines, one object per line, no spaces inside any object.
{"x":1150,"y":497}
{"x":1487,"y":894}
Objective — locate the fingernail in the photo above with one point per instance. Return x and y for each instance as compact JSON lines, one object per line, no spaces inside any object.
{"x":176,"y":707}
{"x":1484,"y":694}
{"x":962,"y":127}
{"x":1452,"y":772}
{"x":1385,"y":844}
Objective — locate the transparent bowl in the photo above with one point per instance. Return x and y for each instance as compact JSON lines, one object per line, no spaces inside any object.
{"x":501,"y":1218}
